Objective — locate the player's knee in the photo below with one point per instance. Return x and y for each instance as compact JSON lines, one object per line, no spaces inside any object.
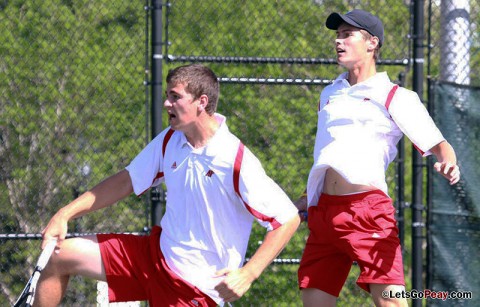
{"x":63,"y":259}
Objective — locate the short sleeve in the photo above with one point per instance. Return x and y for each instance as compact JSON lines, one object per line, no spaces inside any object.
{"x":146,"y":168}
{"x":414,"y":121}
{"x":263,"y":197}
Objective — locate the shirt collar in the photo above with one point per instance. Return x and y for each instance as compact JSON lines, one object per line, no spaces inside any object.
{"x":378,"y":79}
{"x":215,"y":142}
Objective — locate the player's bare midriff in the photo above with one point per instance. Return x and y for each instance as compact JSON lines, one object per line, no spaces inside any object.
{"x":335,"y":184}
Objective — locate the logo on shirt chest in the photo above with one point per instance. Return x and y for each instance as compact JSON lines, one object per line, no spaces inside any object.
{"x":209,"y":173}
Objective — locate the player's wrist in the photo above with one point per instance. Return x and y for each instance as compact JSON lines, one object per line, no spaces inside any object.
{"x":63,"y":215}
{"x":251,"y":273}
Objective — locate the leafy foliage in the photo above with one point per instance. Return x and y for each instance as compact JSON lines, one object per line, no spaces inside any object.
{"x":72,"y":113}
{"x":74,"y":108}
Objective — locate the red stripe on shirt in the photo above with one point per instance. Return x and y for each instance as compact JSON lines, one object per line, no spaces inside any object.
{"x":158,"y":176}
{"x":390,"y":96}
{"x":236,"y":168}
{"x":165,"y":140}
{"x":387,"y":105}
{"x":236,"y":185}
{"x":419,"y":150}
{"x":167,"y":137}
{"x":164,"y":147}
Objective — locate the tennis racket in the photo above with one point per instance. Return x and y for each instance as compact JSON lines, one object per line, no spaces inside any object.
{"x":28,"y":293}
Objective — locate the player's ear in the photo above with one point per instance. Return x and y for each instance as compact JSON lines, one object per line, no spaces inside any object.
{"x":203,"y":102}
{"x":373,"y":43}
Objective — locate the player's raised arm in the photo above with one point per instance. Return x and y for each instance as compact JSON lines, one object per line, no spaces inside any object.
{"x":106,"y":193}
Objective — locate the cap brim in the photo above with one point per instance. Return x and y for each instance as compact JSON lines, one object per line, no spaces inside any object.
{"x":336,"y":19}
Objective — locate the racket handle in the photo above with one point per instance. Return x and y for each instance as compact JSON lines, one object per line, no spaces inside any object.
{"x":45,"y":255}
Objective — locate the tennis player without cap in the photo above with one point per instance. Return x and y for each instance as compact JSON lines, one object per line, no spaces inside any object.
{"x":216,"y":189}
{"x":361,"y":118}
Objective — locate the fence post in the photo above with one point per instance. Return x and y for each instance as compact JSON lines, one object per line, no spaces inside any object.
{"x":418,"y":224}
{"x":400,"y":182}
{"x":156,"y":193}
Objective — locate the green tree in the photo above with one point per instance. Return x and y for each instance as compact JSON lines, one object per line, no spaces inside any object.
{"x":72,"y":112}
{"x":73,"y":107}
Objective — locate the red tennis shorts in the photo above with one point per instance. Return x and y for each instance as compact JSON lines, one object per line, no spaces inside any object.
{"x":357,"y":227}
{"x":136,"y":271}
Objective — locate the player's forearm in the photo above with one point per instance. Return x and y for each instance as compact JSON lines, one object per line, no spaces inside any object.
{"x":102,"y":195}
{"x":444,"y":152}
{"x":272,"y":245}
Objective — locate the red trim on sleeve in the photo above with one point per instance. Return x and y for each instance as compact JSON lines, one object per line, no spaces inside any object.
{"x":418,"y":149}
{"x":167,"y":137}
{"x":387,"y":105}
{"x":236,"y":185}
{"x":236,"y":168}
{"x":159,"y":175}
{"x":390,"y":96}
{"x":165,"y":140}
{"x":164,"y":147}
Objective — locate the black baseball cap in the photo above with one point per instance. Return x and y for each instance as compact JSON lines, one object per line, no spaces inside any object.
{"x":360,"y":19}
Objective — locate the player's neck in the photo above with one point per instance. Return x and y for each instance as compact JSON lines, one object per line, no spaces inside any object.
{"x":202,"y":131}
{"x":361,"y":73}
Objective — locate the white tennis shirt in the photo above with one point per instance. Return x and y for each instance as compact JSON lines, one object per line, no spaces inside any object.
{"x":207,"y":224}
{"x":358,"y":131}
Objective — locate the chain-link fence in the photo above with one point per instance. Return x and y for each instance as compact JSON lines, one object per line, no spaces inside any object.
{"x":72,"y":111}
{"x":76,"y":92}
{"x":453,"y":233}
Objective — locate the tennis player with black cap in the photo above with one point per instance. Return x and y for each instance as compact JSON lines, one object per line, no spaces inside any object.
{"x":361,"y":117}
{"x":360,"y":19}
